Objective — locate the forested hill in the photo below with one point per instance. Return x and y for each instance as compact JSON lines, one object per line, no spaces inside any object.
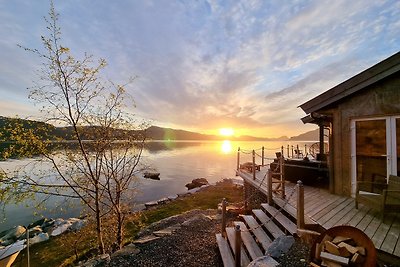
{"x":152,"y":133}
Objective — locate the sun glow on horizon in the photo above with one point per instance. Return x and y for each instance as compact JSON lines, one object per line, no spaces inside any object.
{"x":226,"y":131}
{"x":226,"y":147}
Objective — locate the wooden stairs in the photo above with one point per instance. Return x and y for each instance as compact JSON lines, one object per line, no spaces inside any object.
{"x":257,"y":232}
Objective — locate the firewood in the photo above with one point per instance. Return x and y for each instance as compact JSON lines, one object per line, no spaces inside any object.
{"x":344,"y":252}
{"x":361,"y":250}
{"x":350,"y":248}
{"x":332,"y":248}
{"x":357,"y":258}
{"x":334,"y":258}
{"x":339,"y":239}
{"x":312,"y":264}
{"x":318,"y":248}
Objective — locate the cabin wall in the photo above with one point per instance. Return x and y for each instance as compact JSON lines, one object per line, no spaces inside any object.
{"x":380,"y":99}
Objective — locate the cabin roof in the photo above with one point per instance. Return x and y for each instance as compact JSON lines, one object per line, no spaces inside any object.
{"x":356,"y":83}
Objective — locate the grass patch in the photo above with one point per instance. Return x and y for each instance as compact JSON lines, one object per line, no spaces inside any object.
{"x":61,"y":250}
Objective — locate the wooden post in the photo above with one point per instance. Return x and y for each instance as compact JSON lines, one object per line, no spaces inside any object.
{"x":238,"y":159}
{"x":298,"y":151}
{"x":27,"y":247}
{"x":254,"y":165}
{"x":223,"y":220}
{"x":305,"y":150}
{"x":292,"y":151}
{"x":300,"y":205}
{"x":282,"y":173}
{"x":269,"y":185}
{"x":238,"y":244}
{"x":282,"y":151}
{"x":262,"y":156}
{"x":288,"y":148}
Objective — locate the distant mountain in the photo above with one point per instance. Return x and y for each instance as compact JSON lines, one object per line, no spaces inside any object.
{"x":307,"y":136}
{"x":152,"y":133}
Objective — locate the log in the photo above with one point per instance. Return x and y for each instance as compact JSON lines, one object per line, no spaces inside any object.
{"x":338,"y":239}
{"x":357,"y":258}
{"x":350,"y":248}
{"x":332,"y":248}
{"x":334,"y":258}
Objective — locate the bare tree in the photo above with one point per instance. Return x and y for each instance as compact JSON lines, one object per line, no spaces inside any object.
{"x":100,"y":169}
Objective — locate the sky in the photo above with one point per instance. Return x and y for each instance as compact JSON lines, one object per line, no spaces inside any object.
{"x":202,"y":65}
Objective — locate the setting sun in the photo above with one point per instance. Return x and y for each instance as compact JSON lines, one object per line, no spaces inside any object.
{"x":226,"y":131}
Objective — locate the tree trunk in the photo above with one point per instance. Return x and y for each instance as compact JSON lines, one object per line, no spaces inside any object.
{"x":98,"y":224}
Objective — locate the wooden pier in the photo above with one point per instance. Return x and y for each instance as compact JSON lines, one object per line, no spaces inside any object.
{"x":330,"y":210}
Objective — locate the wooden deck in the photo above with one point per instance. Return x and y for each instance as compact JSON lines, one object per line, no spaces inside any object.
{"x":330,"y":210}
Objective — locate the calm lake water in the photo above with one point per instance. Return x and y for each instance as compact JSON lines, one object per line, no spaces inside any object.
{"x":178,"y":162}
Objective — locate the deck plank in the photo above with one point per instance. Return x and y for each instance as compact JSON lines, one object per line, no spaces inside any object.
{"x":363,"y":224}
{"x":257,"y":230}
{"x":324,"y":202}
{"x":392,"y":237}
{"x":249,"y":242}
{"x":339,"y":216}
{"x":334,"y":212}
{"x":382,"y":231}
{"x":282,"y":219}
{"x":292,"y":210}
{"x":244,"y":259}
{"x":268,"y":223}
{"x":317,"y":215}
{"x":225,"y":251}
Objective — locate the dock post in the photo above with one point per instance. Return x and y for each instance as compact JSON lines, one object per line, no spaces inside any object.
{"x":238,"y":244}
{"x":288,"y":147}
{"x":305,"y":150}
{"x":262,"y":156}
{"x":282,"y":174}
{"x":269,"y":184}
{"x":300,"y":205}
{"x":298,"y":151}
{"x":238,"y":159}
{"x":292,"y":151}
{"x":254,"y":165}
{"x":223,"y":220}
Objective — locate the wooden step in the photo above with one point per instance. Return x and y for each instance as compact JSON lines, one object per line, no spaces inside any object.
{"x":268,"y":223}
{"x":292,"y":210}
{"x":225,"y":251}
{"x":257,"y":230}
{"x":281,"y":219}
{"x":249,"y":242}
{"x":244,"y":260}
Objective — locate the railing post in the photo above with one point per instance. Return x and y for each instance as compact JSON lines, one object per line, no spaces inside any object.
{"x":282,"y":151}
{"x":292,"y":151}
{"x":254,"y":165}
{"x":262,"y":156}
{"x":298,"y":151}
{"x":300,"y":205}
{"x":238,"y":159}
{"x":288,"y":147}
{"x":269,"y":185}
{"x":238,"y":244}
{"x":282,"y":174}
{"x":223,"y":220}
{"x":305,"y":150}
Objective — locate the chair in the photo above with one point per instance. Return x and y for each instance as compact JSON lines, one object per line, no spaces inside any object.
{"x":388,"y":200}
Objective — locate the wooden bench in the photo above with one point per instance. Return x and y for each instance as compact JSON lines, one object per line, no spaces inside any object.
{"x":386,"y":201}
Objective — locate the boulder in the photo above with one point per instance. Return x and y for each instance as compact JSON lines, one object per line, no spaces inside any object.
{"x":197,"y":219}
{"x":13,"y":233}
{"x":61,"y":228}
{"x":39,"y":238}
{"x":280,"y":246}
{"x":37,"y":223}
{"x":78,"y":225}
{"x":197,"y":183}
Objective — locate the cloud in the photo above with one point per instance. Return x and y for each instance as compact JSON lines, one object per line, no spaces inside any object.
{"x":206,"y":63}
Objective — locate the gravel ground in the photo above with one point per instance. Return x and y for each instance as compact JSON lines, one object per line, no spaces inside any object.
{"x":193,"y":244}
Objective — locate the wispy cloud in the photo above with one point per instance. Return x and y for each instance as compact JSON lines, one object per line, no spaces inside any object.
{"x":204,"y":64}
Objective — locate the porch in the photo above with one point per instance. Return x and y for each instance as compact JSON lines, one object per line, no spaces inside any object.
{"x":330,"y":210}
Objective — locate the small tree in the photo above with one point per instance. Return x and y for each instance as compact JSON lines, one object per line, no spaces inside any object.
{"x":100,"y":172}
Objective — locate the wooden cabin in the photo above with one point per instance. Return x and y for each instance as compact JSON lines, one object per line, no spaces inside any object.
{"x":362,"y":115}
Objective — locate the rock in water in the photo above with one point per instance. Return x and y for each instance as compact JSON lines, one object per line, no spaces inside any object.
{"x":197,"y":183}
